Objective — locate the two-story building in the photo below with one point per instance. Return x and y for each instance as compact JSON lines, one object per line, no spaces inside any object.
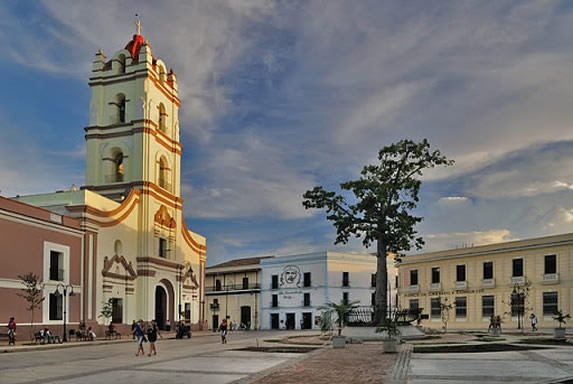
{"x":295,"y":288}
{"x":510,"y":280}
{"x":233,"y":292}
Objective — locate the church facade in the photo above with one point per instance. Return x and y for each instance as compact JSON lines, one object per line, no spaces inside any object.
{"x":138,"y":258}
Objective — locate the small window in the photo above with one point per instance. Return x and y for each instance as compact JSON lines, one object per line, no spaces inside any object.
{"x":461,"y":307}
{"x":517,"y":267}
{"x":550,"y":264}
{"x":56,"y":306}
{"x":435,"y":275}
{"x":413,"y":277}
{"x":275,"y":301}
{"x":373,"y":280}
{"x":345,"y":279}
{"x":488,"y":270}
{"x":306,"y":281}
{"x":435,"y":308}
{"x":373,"y":299}
{"x":345,"y":297}
{"x":162,"y":247}
{"x":218,"y":286}
{"x":245,"y":283}
{"x":306,"y":300}
{"x":487,"y":306}
{"x":460,"y":273}
{"x":550,"y":303}
{"x":56,"y":266}
{"x":275,"y":282}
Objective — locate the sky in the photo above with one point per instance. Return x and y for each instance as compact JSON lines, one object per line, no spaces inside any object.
{"x":280,"y":96}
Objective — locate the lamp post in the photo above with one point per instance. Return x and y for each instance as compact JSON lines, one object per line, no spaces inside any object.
{"x":65,"y":288}
{"x":518,"y":303}
{"x":180,"y":269}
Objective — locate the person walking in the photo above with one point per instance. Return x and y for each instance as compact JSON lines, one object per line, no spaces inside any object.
{"x":12,"y":331}
{"x":139,"y":337}
{"x":533,"y":319}
{"x":152,"y":333}
{"x":223,"y":328}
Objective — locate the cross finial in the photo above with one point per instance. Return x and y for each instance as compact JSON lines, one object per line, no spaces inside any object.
{"x":137,"y":25}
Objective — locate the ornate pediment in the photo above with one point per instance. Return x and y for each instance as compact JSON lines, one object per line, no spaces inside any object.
{"x":126,"y":270}
{"x":162,"y":217}
{"x":193,"y":284}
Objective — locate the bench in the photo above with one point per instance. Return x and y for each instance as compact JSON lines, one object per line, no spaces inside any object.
{"x":46,"y":339}
{"x":112,"y":334}
{"x":11,"y":339}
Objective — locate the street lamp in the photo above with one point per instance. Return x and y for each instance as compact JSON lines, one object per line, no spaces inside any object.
{"x":180,"y":269}
{"x":518,"y":303}
{"x":65,"y":288}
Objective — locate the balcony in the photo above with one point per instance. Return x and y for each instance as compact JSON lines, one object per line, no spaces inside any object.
{"x":488,"y":283}
{"x":236,"y":288}
{"x":517,"y":280}
{"x":435,"y":286}
{"x":551,"y":278}
{"x":413,"y":288}
{"x":461,"y":284}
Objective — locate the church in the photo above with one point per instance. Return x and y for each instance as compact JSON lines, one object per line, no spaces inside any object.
{"x":128,"y":254}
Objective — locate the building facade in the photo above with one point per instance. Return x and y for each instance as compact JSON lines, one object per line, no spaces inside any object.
{"x":510,"y":280}
{"x":233,"y":292}
{"x":137,"y":252}
{"x":294,"y":288}
{"x":38,"y":241}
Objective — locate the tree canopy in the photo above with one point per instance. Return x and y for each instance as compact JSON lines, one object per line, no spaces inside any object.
{"x":384,"y":196}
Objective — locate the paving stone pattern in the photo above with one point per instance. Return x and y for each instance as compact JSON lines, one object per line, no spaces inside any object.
{"x":357,"y":363}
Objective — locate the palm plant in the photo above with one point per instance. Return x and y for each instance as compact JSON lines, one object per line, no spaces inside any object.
{"x":342,"y":310}
{"x":560,"y":317}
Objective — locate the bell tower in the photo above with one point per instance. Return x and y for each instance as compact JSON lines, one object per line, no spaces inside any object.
{"x":133,"y":135}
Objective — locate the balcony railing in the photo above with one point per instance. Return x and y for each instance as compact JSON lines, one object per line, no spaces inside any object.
{"x":235,"y":288}
{"x":488,"y":283}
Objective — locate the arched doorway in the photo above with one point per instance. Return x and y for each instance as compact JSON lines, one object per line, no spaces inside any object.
{"x":160,"y":306}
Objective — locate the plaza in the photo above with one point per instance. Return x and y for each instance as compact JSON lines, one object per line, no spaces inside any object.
{"x":203,"y":359}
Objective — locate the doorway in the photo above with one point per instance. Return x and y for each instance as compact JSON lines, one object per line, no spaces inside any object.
{"x":307,"y":320}
{"x":160,"y":307}
{"x":290,"y":324}
{"x":245,"y":317}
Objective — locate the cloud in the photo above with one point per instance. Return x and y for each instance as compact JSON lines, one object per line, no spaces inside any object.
{"x":455,"y":240}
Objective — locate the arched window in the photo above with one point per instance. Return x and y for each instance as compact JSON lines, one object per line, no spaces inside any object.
{"x":118,"y":161}
{"x":162,"y":118}
{"x":164,"y":174}
{"x":119,"y":103}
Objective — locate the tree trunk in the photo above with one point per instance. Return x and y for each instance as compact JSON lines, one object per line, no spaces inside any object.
{"x":381,"y":299}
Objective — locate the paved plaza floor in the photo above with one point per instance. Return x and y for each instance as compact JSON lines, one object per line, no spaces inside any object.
{"x":204,"y":360}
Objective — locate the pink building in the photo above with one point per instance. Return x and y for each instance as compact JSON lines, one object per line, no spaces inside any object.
{"x":35,"y":240}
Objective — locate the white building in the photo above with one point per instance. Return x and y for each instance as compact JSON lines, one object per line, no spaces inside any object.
{"x":293,"y":288}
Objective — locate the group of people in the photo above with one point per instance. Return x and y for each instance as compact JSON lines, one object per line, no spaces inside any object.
{"x":143,"y":334}
{"x":495,"y":322}
{"x":86,"y":334}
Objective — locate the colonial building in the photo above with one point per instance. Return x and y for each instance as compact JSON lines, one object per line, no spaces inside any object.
{"x":510,"y":280}
{"x":294,"y":288}
{"x":137,"y":252}
{"x":233,"y":292}
{"x":49,"y":245}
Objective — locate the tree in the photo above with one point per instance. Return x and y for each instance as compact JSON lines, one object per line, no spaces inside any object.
{"x":342,"y":311}
{"x":384,"y":195}
{"x":33,"y":294}
{"x":106,"y":309}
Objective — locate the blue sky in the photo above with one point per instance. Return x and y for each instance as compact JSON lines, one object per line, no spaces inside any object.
{"x":280,"y":96}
